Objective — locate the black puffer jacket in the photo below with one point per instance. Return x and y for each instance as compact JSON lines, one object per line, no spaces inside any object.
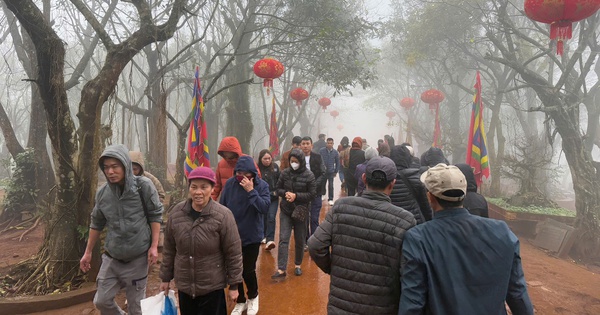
{"x":402,"y":195}
{"x":300,"y":181}
{"x":474,"y":202}
{"x":360,"y":245}
{"x":271,"y":176}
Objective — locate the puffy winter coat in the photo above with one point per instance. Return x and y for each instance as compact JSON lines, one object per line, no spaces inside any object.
{"x":402,"y":195}
{"x":202,"y":255}
{"x":360,"y":245}
{"x":271,"y":176}
{"x":225,"y":168}
{"x":474,"y":202}
{"x":300,"y":181}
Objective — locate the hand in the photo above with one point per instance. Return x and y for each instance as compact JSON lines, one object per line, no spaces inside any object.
{"x":232,"y":295}
{"x":164,"y":287}
{"x":84,"y":263}
{"x":152,"y":255}
{"x":247,"y":184}
{"x":290,"y":196}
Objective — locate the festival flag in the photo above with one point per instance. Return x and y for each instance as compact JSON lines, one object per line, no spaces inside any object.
{"x":273,"y":139}
{"x":477,"y":155}
{"x":197,"y":149}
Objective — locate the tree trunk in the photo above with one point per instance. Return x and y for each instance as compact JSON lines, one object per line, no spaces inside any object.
{"x":157,"y":133}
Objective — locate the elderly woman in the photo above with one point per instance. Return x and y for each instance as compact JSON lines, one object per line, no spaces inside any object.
{"x":202,"y":249}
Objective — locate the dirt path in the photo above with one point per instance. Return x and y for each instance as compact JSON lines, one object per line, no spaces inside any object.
{"x":556,"y":286}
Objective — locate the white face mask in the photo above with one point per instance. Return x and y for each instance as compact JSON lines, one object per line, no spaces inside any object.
{"x":295,"y":165}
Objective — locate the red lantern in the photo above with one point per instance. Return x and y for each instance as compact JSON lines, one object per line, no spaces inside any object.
{"x":340,"y":127}
{"x":433,"y":97}
{"x":560,"y":14}
{"x":299,"y":94}
{"x":390,"y":115}
{"x":334,"y":114}
{"x":268,"y":69}
{"x":407,"y":103}
{"x":324,"y":102}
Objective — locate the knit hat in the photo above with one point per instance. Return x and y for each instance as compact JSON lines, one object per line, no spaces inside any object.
{"x":202,"y":172}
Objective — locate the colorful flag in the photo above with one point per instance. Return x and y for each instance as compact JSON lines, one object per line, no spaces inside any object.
{"x":273,"y":139}
{"x":197,"y":149}
{"x":477,"y":155}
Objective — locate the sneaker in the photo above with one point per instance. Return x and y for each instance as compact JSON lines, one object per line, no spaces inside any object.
{"x":306,"y":248}
{"x":270,"y":245}
{"x":279,"y":275}
{"x":330,"y":202}
{"x":252,"y":306}
{"x":298,"y":271}
{"x":264,"y":240}
{"x":239,"y":308}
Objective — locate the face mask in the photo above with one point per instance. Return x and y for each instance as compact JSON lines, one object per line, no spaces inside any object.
{"x":295,"y":165}
{"x":239,"y":178}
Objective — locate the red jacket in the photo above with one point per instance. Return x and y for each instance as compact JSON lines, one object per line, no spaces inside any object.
{"x":225,"y":167}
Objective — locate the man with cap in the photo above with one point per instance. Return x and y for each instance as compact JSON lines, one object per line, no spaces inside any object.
{"x":360,"y":244}
{"x":459,"y":263}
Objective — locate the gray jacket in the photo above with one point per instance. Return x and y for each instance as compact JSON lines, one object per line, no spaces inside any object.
{"x":122,"y":212}
{"x":360,"y":244}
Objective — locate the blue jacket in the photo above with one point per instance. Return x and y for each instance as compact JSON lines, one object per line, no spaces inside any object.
{"x":331,"y":160}
{"x":463,"y":264}
{"x":248,"y":208}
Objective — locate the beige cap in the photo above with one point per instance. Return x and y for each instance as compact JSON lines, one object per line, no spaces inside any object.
{"x":443,"y":178}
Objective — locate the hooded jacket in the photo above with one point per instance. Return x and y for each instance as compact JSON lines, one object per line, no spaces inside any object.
{"x":300,"y":181}
{"x":402,"y":195}
{"x":474,"y":202}
{"x":271,"y":176}
{"x":432,"y":157}
{"x":357,"y":156}
{"x":361,"y":168}
{"x":120,"y":209}
{"x":248,"y":208}
{"x":138,"y":158}
{"x":225,"y":168}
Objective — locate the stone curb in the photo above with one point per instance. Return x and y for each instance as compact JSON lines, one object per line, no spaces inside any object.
{"x":33,"y":304}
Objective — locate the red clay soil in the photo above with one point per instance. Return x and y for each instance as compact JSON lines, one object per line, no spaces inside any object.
{"x":556,"y":286}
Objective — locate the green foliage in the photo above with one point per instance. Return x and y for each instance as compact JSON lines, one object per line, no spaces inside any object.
{"x":83,"y":232}
{"x":21,"y":192}
{"x":500,"y":202}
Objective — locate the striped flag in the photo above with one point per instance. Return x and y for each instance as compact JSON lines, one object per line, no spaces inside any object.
{"x":477,"y":155}
{"x":273,"y":139}
{"x":197,"y":149}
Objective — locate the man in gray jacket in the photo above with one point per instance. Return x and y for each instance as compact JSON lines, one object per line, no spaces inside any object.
{"x":130,"y":209}
{"x":360,"y":244}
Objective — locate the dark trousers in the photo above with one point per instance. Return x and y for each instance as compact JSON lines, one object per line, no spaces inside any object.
{"x":315,"y":213}
{"x":212,"y":303}
{"x":351,"y":183}
{"x":330,"y":178}
{"x":249,"y":257}
{"x":270,"y":221}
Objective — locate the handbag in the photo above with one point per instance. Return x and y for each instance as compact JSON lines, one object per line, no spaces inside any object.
{"x":300,"y":213}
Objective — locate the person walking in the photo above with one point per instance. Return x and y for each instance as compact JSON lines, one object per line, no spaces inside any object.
{"x":285,"y":158}
{"x":270,"y":173}
{"x":296,"y":187}
{"x":409,"y":193}
{"x":460,"y":263}
{"x":360,"y":243}
{"x":129,"y":249}
{"x":230,"y":150}
{"x":247,"y":196}
{"x":331,"y":158}
{"x":474,"y":201}
{"x":319,"y":144}
{"x":355,"y":157}
{"x":361,"y":168}
{"x":314,"y":162}
{"x":137,"y":162}
{"x":202,"y":250}
{"x":344,"y":151}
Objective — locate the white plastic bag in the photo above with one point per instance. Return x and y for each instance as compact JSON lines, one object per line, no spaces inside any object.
{"x":155,"y":305}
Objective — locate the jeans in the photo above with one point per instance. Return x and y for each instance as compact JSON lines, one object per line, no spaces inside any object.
{"x":341,"y":174}
{"x":113,"y":276}
{"x":330,"y":178}
{"x":270,"y":220}
{"x":286,"y":223}
{"x":212,"y":303}
{"x":249,"y":257}
{"x":315,"y":212}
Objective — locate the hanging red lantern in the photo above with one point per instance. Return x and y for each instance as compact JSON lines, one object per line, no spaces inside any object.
{"x":324,"y":102}
{"x":340,"y":127}
{"x":334,"y":114}
{"x":560,"y":14}
{"x":434,"y":97}
{"x":390,"y":115}
{"x":407,"y":103}
{"x":299,"y":94}
{"x":268,"y":69}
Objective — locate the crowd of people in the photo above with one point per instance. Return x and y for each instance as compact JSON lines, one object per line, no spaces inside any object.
{"x":411,"y":235}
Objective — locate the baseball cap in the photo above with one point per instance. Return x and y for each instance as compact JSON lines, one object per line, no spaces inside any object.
{"x":381,"y":168}
{"x":202,"y":172}
{"x":446,"y":182}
